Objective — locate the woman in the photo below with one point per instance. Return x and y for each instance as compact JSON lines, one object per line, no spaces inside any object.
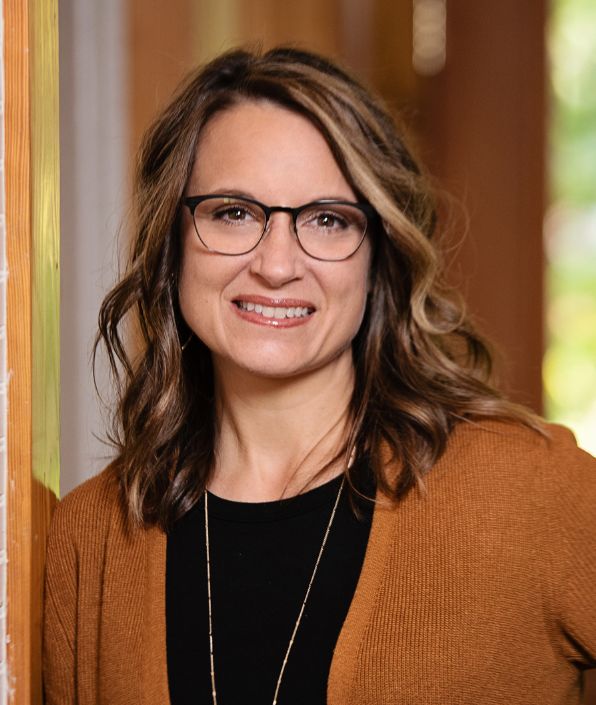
{"x":317,"y":495}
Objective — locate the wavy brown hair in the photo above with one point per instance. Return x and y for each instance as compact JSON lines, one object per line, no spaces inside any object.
{"x":420,"y":368}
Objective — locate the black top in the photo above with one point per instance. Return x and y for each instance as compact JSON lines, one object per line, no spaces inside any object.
{"x":262,"y":557}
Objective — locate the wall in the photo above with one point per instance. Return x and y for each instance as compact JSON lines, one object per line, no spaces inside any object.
{"x":94,"y":158}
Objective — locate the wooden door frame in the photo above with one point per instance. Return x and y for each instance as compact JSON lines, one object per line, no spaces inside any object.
{"x":32,"y":244}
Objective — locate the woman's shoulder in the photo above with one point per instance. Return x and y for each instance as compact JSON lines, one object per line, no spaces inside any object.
{"x":545,"y":471}
{"x":93,"y":506}
{"x":510,"y":443}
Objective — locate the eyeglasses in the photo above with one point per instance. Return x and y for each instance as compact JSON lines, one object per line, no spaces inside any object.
{"x":326,"y":230}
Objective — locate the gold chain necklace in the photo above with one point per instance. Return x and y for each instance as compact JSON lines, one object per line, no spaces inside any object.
{"x":295,"y":630}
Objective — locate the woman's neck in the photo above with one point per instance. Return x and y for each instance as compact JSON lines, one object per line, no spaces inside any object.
{"x":276,"y":435}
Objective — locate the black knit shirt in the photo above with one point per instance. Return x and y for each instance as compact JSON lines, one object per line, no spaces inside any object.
{"x":262,"y":557}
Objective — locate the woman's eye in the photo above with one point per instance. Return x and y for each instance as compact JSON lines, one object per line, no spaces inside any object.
{"x":328,"y":221}
{"x":235,"y":213}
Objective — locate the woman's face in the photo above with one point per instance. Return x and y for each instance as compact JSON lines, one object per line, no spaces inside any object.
{"x":268,"y":153}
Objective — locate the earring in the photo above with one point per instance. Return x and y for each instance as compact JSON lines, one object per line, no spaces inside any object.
{"x":182,"y":347}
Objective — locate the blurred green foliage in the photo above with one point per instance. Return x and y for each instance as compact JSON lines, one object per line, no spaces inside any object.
{"x":570,"y":360}
{"x":572,"y":50}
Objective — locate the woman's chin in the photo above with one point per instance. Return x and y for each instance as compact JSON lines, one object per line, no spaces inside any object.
{"x":283,"y":366}
{"x":272,"y":370}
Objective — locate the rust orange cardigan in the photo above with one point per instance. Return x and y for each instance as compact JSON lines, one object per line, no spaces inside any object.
{"x":481,"y":592}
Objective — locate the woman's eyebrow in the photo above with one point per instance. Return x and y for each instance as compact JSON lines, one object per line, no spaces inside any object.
{"x":229,"y":191}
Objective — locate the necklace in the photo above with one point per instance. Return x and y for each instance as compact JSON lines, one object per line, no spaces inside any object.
{"x":298,"y":620}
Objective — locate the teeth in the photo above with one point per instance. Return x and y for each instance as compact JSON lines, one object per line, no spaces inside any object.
{"x":277,"y":312}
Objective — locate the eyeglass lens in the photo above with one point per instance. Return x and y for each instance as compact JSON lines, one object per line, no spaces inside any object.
{"x":234,"y":226}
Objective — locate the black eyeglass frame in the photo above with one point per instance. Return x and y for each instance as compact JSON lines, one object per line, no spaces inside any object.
{"x":191,"y":202}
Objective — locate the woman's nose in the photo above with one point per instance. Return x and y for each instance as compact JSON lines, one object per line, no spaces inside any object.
{"x":278,"y":258}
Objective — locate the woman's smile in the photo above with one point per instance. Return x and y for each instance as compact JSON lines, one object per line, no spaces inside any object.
{"x":279,"y":313}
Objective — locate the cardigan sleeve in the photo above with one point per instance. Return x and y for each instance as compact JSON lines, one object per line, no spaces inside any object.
{"x":572,"y":544}
{"x":59,"y":622}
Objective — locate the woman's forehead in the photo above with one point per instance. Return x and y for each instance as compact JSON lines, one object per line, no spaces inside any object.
{"x":262,"y":146}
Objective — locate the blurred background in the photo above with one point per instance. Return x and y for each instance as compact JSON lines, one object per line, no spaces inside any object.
{"x":499,"y":97}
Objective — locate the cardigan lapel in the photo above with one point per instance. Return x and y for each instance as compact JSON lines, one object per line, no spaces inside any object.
{"x":155,"y":672}
{"x":344,"y":663}
{"x":132,"y":652}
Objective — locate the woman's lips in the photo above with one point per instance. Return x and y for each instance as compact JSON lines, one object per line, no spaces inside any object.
{"x":280,"y":313}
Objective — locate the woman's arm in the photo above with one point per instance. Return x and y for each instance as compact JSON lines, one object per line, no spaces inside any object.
{"x":572,"y":524}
